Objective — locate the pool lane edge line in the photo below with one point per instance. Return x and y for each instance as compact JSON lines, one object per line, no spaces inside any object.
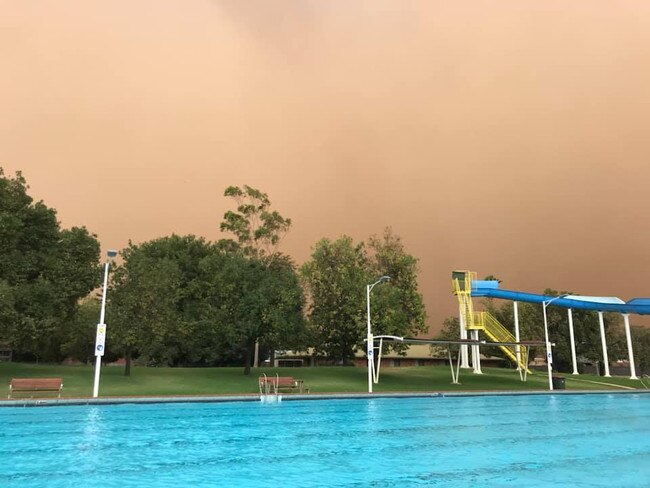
{"x":53,"y":402}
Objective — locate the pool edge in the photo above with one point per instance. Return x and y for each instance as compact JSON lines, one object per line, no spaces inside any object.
{"x":52,"y":402}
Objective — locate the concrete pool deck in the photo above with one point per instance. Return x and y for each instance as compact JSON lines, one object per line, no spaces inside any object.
{"x":118,"y":400}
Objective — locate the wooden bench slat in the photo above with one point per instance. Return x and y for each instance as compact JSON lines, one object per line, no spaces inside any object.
{"x":35,"y":384}
{"x":27,"y":382}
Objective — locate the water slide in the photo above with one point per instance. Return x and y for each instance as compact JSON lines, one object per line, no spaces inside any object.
{"x":465,"y":286}
{"x":490,"y":289}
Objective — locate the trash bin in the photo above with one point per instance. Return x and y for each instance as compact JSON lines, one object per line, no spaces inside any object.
{"x":559,"y":383}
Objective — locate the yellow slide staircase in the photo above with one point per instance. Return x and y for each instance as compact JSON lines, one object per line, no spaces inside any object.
{"x":485,"y":321}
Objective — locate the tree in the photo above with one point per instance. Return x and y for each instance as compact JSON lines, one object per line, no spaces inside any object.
{"x":79,"y":332}
{"x":254,"y":301}
{"x":336,"y":277}
{"x":284,"y":317}
{"x":258,"y":229}
{"x":399,"y":307}
{"x":491,"y":278}
{"x":641,"y":344}
{"x":155,"y":302}
{"x":450,"y":331}
{"x":44,"y":272}
{"x":183,"y":301}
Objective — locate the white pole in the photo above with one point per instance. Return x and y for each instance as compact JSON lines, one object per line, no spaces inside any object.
{"x":549,"y":352}
{"x":476,"y":354}
{"x":370,"y":346}
{"x":573,"y":343}
{"x":370,"y":342}
{"x":603,"y":342}
{"x":98,"y":362}
{"x":463,"y":335}
{"x":515,"y":307}
{"x":630,"y":353}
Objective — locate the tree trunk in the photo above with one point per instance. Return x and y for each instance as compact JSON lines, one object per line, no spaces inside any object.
{"x":127,"y":364}
{"x":272,"y":355}
{"x":256,"y":360}
{"x":247,"y":357}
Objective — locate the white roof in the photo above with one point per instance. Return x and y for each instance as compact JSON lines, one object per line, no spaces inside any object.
{"x":610,"y":300}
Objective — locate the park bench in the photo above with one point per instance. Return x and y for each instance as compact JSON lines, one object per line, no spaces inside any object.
{"x":278,"y":384}
{"x":35,"y":385}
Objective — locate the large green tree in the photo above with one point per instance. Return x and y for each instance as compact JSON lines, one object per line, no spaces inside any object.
{"x":336,"y":277}
{"x":258,"y":230}
{"x":400,"y":309}
{"x":270,"y":312}
{"x":154,"y":301}
{"x":44,"y":272}
{"x":255,"y":302}
{"x":183,"y":301}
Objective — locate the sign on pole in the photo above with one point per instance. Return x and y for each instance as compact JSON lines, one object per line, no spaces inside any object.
{"x":100,"y":339}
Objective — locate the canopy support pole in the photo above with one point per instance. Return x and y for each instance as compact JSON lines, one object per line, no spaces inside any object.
{"x":573,"y":343}
{"x":517,"y":348}
{"x":463,"y":337}
{"x":476,"y":354}
{"x":603,"y":342}
{"x":630,"y":352}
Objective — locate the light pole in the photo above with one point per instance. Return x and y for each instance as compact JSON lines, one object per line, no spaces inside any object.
{"x":370,"y":341}
{"x":549,"y":351}
{"x":100,"y":338}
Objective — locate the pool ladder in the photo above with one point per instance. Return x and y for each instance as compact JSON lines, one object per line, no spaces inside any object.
{"x":266,"y":395}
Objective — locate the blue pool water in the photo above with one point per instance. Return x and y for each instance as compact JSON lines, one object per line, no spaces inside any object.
{"x":525,"y":441}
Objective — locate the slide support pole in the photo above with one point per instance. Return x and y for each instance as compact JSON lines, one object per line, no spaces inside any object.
{"x":463,"y":336}
{"x":517,"y":348}
{"x":630,"y":352}
{"x":573,"y":343}
{"x":603,"y":342}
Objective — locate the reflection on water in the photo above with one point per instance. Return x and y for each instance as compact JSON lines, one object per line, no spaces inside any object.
{"x":89,"y":446}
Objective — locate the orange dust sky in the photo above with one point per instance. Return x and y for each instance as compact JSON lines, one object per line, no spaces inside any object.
{"x":509,"y":137}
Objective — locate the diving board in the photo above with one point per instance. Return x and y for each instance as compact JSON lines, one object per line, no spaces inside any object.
{"x":455,"y":371}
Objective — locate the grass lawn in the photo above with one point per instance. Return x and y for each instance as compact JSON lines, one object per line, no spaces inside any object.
{"x":77,"y":380}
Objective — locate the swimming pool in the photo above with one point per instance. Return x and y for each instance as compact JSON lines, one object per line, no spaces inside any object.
{"x":561,"y":440}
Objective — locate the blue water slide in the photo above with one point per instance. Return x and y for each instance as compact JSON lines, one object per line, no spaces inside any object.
{"x":490,"y":289}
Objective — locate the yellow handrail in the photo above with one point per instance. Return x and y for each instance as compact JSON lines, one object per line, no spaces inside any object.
{"x":498,"y":333}
{"x":485,"y":321}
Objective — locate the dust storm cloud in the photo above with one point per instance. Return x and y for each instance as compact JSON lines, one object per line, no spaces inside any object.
{"x":508,"y":137}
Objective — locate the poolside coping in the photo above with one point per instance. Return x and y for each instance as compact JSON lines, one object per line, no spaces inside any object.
{"x":51,"y":402}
